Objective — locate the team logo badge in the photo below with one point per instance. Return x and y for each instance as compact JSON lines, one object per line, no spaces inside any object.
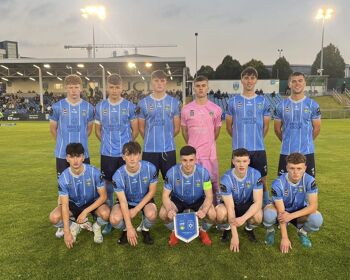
{"x":235,"y":86}
{"x":306,"y":110}
{"x":287,"y":109}
{"x":88,"y":182}
{"x":300,"y":189}
{"x":167,"y":107}
{"x":286,"y":192}
{"x":177,"y":181}
{"x":124,"y":111}
{"x":186,"y":226}
{"x":83,"y":113}
{"x":239,"y":105}
{"x":151,"y":108}
{"x":65,"y":111}
{"x":260,"y":106}
{"x":211,"y":114}
{"x":191,"y":113}
{"x":248,"y":184}
{"x":198,"y":183}
{"x":105,"y":111}
{"x":145,"y":179}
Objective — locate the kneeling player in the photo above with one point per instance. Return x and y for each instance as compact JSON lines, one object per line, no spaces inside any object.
{"x":135,"y":184}
{"x":82,"y":191}
{"x":241,"y":189}
{"x":188,"y":186}
{"x":295,"y":201}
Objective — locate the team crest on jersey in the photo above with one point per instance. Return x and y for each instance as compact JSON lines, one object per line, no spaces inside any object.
{"x":191,"y":113}
{"x":239,"y":105}
{"x":306,"y":110}
{"x":83,"y":112}
{"x":65,"y":111}
{"x":248,"y":184}
{"x":124,"y":112}
{"x":177,"y":181}
{"x":88,"y":182}
{"x":167,"y":107}
{"x":234,"y":188}
{"x":198,"y":183}
{"x":286,"y":192}
{"x":105,"y":112}
{"x":260,"y":106}
{"x":300,"y":189}
{"x":151,"y":107}
{"x":211,"y":114}
{"x":145,"y":179}
{"x":287,"y":109}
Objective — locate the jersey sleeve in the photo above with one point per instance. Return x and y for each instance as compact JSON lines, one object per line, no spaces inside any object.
{"x":62,"y":186}
{"x":316,"y":111}
{"x":184,"y":116}
{"x":230,"y":107}
{"x":98,"y":113}
{"x":267,"y":108}
{"x":277,"y":115}
{"x":99,"y":182}
{"x":55,"y":113}
{"x":168,"y":182}
{"x":132,"y":111}
{"x":225,"y":186}
{"x":153,"y":173}
{"x":311,"y":186}
{"x":217,"y":120}
{"x":118,"y":182}
{"x":90,"y":117}
{"x":142,"y":109}
{"x":176,"y":109}
{"x":277,"y":190}
{"x":258,"y":184}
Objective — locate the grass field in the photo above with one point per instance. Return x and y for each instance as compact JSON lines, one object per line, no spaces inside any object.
{"x":29,"y":249}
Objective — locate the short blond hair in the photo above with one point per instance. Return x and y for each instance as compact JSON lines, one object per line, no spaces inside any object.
{"x":72,"y":80}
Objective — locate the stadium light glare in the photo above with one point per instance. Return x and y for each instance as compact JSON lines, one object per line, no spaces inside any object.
{"x":99,"y":11}
{"x":4,"y":79}
{"x":138,"y":72}
{"x":79,"y":73}
{"x":47,"y":66}
{"x":49,"y":73}
{"x":36,"y":66}
{"x":86,"y":78}
{"x":131,"y":65}
{"x":3,"y":66}
{"x":323,"y":14}
{"x":109,"y":73}
{"x":101,"y":66}
{"x":143,"y":78}
{"x":80,"y":65}
{"x":148,"y":64}
{"x":19,"y":73}
{"x":32,"y":79}
{"x":59,"y":78}
{"x":171,"y":77}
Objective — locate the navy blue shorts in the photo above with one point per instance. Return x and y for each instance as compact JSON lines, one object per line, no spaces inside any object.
{"x":133,"y":206}
{"x":181,"y":205}
{"x":258,"y":161}
{"x":240,"y":209}
{"x":62,"y":164}
{"x":310,"y":165}
{"x":162,"y":161}
{"x":109,"y":166}
{"x":76,"y":210}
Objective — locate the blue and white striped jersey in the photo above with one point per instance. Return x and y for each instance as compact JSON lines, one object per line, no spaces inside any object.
{"x":294,"y":196}
{"x":135,"y":185}
{"x":159,"y":126}
{"x":81,"y":189}
{"x":115,"y":121}
{"x":297,"y":129}
{"x":248,"y":121}
{"x":72,"y":122}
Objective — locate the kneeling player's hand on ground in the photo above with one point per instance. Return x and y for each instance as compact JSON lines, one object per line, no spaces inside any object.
{"x":81,"y":218}
{"x":285,"y":245}
{"x":132,"y":236}
{"x":200,"y":214}
{"x":234,"y":246}
{"x":68,"y":239}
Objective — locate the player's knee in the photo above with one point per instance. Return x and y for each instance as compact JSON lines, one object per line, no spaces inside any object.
{"x":221,"y":213}
{"x":270,"y":216}
{"x":104,"y":213}
{"x":314,"y":222}
{"x":163,"y":214}
{"x":115,"y":219}
{"x":151,"y":214}
{"x":258,"y":217}
{"x":54,"y":217}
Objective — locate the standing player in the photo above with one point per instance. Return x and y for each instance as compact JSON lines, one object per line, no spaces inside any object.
{"x":247,"y":121}
{"x":82,"y":191}
{"x":187,"y":186}
{"x":201,"y":123}
{"x":135,"y":184}
{"x":115,"y":125}
{"x":242,"y":193}
{"x":159,"y":123}
{"x":71,"y":121}
{"x":295,"y":201}
{"x":297,"y":124}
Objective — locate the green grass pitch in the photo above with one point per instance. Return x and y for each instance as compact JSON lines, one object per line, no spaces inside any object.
{"x":29,"y":249}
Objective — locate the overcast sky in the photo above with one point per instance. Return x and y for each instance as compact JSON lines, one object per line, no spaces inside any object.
{"x":242,"y":29}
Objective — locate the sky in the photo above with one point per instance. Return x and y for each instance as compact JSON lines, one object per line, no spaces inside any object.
{"x":242,"y":29}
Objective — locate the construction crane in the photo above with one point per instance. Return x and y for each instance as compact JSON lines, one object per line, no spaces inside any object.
{"x":92,"y":48}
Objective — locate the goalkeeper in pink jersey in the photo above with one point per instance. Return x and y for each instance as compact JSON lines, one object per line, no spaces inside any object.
{"x":201,"y":123}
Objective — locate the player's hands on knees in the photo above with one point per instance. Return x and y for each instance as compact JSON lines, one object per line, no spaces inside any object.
{"x":171,"y":214}
{"x":201,"y":214}
{"x":285,"y":245}
{"x":81,"y":218}
{"x":284,"y":217}
{"x":132,"y":236}
{"x":133,"y":212}
{"x":240,"y":221}
{"x":68,"y":239}
{"x":234,"y":245}
{"x":232,"y":221}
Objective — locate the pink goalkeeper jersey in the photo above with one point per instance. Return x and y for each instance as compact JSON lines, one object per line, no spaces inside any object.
{"x":201,"y":121}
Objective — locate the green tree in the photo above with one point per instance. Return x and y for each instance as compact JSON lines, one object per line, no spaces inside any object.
{"x":228,"y":69}
{"x":333,"y":62}
{"x":260,"y":67}
{"x":281,"y":69}
{"x":207,"y":71}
